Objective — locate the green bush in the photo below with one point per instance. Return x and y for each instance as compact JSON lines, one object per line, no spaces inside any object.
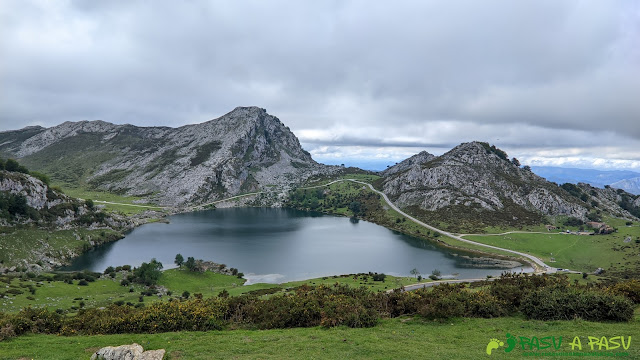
{"x":630,"y":289}
{"x":572,"y":303}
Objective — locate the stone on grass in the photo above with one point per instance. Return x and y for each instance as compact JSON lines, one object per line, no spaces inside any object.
{"x":127,"y":352}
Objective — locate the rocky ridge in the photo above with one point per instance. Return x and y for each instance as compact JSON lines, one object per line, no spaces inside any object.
{"x":408,"y":163}
{"x":479,"y":178}
{"x":243,"y":151}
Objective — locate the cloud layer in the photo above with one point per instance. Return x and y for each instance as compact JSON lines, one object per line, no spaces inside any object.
{"x":546,"y":80}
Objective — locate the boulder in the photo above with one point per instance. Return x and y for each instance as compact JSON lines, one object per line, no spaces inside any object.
{"x":127,"y":352}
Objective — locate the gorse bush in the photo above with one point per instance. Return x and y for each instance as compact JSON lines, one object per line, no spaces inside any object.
{"x":630,"y":289}
{"x":567,"y":304}
{"x":536,"y":297}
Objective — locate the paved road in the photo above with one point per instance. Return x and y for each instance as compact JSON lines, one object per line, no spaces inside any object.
{"x":540,"y":265}
{"x":413,"y":287}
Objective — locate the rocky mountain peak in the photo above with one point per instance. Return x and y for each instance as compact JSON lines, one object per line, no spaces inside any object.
{"x":415,"y":160}
{"x":477,"y":177}
{"x":476,"y":153}
{"x":242,"y":151}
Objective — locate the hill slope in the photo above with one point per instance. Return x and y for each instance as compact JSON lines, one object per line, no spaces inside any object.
{"x":476,"y":184}
{"x":242,"y":151}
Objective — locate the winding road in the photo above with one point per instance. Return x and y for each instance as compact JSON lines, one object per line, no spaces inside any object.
{"x":540,"y":266}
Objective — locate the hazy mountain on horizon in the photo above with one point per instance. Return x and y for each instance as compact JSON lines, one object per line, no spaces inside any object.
{"x":597,"y":178}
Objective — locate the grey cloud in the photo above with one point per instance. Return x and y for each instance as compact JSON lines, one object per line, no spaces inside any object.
{"x":457,"y":70}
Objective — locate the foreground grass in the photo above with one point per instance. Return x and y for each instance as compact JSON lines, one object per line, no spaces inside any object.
{"x":400,"y":338}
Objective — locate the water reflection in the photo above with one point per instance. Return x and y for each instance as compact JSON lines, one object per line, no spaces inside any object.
{"x":278,"y":245}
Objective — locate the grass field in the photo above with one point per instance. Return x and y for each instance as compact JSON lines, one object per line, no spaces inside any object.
{"x":59,"y":295}
{"x":577,"y":252}
{"x":83,"y":193}
{"x":104,"y":291}
{"x":400,"y":338}
{"x":18,"y":243}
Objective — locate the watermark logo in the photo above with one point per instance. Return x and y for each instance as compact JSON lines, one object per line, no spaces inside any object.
{"x":593,"y":346}
{"x":493,"y":344}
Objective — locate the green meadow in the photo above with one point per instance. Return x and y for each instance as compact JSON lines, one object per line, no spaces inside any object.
{"x":399,"y":338}
{"x":56,"y":295}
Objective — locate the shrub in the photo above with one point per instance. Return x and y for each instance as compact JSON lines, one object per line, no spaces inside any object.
{"x":148,"y":273}
{"x":83,"y":282}
{"x":630,"y":289}
{"x":567,"y":304}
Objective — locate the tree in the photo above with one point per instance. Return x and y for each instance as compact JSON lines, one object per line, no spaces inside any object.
{"x":148,"y":273}
{"x":527,"y":168}
{"x":355,"y":207}
{"x":435,"y":274}
{"x":415,"y":272}
{"x":179,"y":260}
{"x":515,"y":162}
{"x":191,"y":263}
{"x":89,"y":203}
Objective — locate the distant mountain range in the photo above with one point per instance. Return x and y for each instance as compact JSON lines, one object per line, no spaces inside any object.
{"x":598,"y":178}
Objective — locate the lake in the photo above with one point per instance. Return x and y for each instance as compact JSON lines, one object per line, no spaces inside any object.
{"x":278,"y":245}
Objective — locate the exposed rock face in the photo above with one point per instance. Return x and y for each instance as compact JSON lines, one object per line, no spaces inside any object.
{"x":127,"y":352}
{"x":57,"y":208}
{"x":35,"y":191}
{"x":609,"y":200}
{"x":242,"y":151}
{"x":406,"y":164}
{"x":474,"y":175}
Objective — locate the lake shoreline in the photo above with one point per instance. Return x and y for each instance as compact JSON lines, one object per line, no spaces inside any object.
{"x":468,"y":262}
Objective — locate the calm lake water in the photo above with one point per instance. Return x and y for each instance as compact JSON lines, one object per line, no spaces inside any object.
{"x":278,"y":245}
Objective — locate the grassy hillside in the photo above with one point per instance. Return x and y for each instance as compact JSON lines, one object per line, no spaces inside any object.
{"x":32,"y":244}
{"x":618,"y":253}
{"x":400,"y":338}
{"x":122,"y":203}
{"x":55,"y":295}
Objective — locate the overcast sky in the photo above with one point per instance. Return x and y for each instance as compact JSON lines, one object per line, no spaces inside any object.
{"x":551,"y":82}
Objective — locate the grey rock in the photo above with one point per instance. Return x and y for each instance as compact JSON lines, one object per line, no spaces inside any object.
{"x":472,"y":175}
{"x":122,"y":352}
{"x":127,"y":352}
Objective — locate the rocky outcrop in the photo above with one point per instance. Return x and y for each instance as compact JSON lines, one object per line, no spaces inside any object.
{"x":127,"y":352}
{"x":476,"y":176}
{"x":610,"y":200}
{"x":408,"y":163}
{"x":243,"y":151}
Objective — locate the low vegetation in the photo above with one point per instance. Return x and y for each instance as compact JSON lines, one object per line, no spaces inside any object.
{"x":535,"y":297}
